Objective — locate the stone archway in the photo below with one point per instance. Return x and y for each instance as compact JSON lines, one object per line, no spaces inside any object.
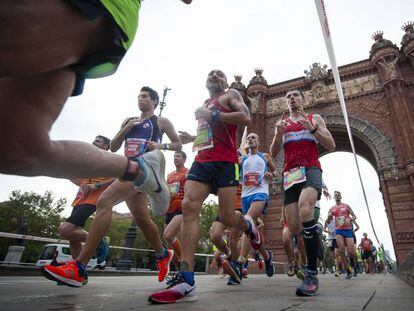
{"x":379,"y":92}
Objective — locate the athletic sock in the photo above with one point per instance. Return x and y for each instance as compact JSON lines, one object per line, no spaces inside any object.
{"x":188,"y":277}
{"x":131,"y":170}
{"x":82,"y":267}
{"x":162,"y":254}
{"x":311,"y":239}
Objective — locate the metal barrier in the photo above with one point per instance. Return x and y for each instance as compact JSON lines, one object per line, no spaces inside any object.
{"x":59,"y":241}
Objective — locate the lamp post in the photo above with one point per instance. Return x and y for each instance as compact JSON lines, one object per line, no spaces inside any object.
{"x":126,"y":262}
{"x":164,"y":95}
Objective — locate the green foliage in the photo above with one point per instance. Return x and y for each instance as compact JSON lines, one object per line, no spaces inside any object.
{"x":42,"y":214}
{"x":209,"y":212}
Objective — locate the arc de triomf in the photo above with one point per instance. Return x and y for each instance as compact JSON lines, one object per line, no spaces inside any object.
{"x":379,"y":92}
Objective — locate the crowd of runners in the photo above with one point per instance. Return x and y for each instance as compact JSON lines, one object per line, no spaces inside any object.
{"x":33,"y":90}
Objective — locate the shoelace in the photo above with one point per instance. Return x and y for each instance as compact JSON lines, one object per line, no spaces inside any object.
{"x":174,"y":280}
{"x":170,"y":278}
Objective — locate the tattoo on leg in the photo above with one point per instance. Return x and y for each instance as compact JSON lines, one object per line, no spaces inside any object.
{"x":185,"y":267}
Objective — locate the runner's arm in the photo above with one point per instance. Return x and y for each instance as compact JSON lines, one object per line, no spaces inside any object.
{"x":117,"y":141}
{"x":167,"y":127}
{"x":322,"y":134}
{"x":352,"y":214}
{"x":356,"y":226}
{"x":186,"y":138}
{"x":240,"y":114}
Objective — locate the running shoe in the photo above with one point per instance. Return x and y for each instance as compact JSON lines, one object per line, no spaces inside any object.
{"x":153,"y":183}
{"x":270,"y":268}
{"x":177,"y":291}
{"x":163,"y":265}
{"x":309,"y":286}
{"x":70,"y":274}
{"x":254,"y":234}
{"x":300,"y":274}
{"x":244,"y":273}
{"x":232,"y":268}
{"x":292,"y":269}
{"x":337,"y":274}
{"x":355,"y":274}
{"x":230,"y":281}
{"x":348,"y":273}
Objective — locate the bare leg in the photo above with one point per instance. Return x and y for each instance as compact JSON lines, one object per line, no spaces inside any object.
{"x":341,"y":248}
{"x":29,"y":107}
{"x":255,"y":211}
{"x":287,"y":243}
{"x":138,"y":205}
{"x":216,"y":236}
{"x":75,"y":234}
{"x":115,"y":194}
{"x":234,"y":243}
{"x":229,"y":216}
{"x":172,"y":230}
{"x":195,"y":194}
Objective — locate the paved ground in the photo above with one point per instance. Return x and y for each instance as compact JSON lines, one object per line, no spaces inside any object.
{"x":258,"y":292}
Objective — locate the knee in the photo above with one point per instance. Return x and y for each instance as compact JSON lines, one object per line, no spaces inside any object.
{"x":104,"y":203}
{"x":65,"y":229}
{"x":191,"y":209}
{"x":215,"y":236}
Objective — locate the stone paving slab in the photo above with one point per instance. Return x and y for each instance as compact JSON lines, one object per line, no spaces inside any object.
{"x":258,"y":292}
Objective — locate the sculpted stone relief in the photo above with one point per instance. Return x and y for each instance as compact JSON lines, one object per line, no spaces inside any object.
{"x":375,"y":105}
{"x":322,"y":92}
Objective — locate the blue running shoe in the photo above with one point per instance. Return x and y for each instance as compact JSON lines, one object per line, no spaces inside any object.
{"x":309,"y":286}
{"x":270,"y":268}
{"x":230,"y":281}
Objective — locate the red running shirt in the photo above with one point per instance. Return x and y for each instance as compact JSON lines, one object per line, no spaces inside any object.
{"x":176,"y":182}
{"x":341,"y":215}
{"x":224,"y":137}
{"x":300,"y":146}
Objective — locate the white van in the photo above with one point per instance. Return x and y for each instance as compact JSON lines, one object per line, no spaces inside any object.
{"x":63,"y":254}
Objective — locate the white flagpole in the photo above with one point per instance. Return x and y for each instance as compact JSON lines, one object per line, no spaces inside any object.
{"x":323,"y":19}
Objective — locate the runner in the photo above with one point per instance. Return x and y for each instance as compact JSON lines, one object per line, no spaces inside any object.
{"x":42,"y":66}
{"x":142,"y":137}
{"x":366,"y":255}
{"x":300,"y":134}
{"x":84,"y":205}
{"x":173,"y":218}
{"x":344,"y":216}
{"x":332,"y":245}
{"x":256,"y":169}
{"x":215,"y":170}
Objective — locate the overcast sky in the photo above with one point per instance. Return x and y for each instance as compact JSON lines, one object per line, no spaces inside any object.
{"x":177,"y":45}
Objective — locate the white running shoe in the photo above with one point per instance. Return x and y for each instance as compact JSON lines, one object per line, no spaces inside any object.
{"x":153,"y":165}
{"x":178,"y":290}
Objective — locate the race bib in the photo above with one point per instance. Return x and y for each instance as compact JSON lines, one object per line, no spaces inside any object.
{"x":251,"y":179}
{"x":294,"y":176}
{"x":204,"y":139}
{"x":340,"y":221}
{"x":174,"y":188}
{"x":135,"y":147}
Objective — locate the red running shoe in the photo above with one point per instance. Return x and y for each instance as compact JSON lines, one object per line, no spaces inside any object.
{"x":163,"y":265}
{"x":178,"y":290}
{"x":68,"y":274}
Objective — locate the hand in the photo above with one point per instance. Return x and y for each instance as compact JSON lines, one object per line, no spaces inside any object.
{"x":88,"y":188}
{"x":304,"y":121}
{"x":152,"y":145}
{"x":281,"y":123}
{"x":185,"y":138}
{"x":203,"y":113}
{"x":327,"y":194}
{"x":268,"y":176}
{"x":131,"y":123}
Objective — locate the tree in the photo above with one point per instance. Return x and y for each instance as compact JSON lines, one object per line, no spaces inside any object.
{"x":40,"y":212}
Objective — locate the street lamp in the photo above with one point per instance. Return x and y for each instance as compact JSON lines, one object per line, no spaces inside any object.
{"x":163,"y":103}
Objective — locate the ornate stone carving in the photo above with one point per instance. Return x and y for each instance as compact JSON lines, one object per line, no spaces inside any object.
{"x":388,"y":67}
{"x":375,"y":106}
{"x":238,"y":85}
{"x":316,"y":72}
{"x":258,"y":78}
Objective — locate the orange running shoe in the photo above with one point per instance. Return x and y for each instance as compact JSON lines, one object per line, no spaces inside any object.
{"x":68,"y":274}
{"x":163,"y":265}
